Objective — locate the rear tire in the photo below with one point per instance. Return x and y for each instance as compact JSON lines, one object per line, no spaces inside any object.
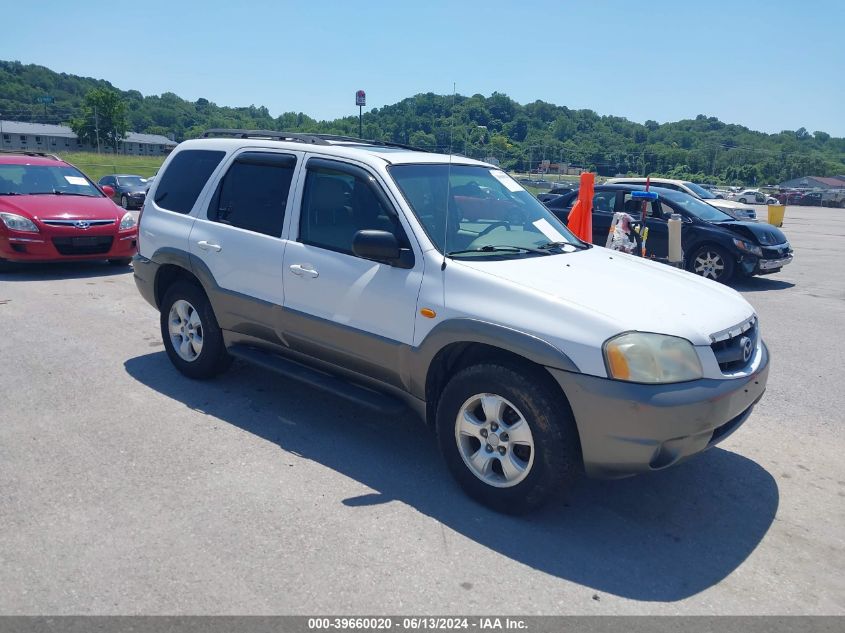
{"x":192,"y":338}
{"x":712,"y":262}
{"x":507,"y":436}
{"x":742,"y":201}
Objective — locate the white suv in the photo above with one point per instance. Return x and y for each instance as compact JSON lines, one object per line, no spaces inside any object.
{"x":403,"y":280}
{"x":738,"y":210}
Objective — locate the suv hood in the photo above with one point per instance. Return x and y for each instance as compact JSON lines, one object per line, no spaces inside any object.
{"x":56,"y":207}
{"x":759,"y":232}
{"x":630,"y":293}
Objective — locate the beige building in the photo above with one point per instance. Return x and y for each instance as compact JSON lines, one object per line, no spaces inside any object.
{"x":40,"y":137}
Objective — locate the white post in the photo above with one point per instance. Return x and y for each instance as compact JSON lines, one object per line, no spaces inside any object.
{"x":676,"y":255}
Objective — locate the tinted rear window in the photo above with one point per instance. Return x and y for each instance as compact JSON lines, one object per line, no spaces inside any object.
{"x":184,"y":179}
{"x":254,"y":193}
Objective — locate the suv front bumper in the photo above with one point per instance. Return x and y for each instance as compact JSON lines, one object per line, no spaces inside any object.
{"x":628,"y":428}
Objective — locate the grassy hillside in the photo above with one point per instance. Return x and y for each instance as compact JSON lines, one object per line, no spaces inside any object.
{"x":519,"y":136}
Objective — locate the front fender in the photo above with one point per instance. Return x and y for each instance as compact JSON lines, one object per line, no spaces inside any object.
{"x":467,"y":330}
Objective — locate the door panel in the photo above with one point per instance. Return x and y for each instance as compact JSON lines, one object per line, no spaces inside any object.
{"x":349,"y":311}
{"x":339,"y":307}
{"x":238,"y":239}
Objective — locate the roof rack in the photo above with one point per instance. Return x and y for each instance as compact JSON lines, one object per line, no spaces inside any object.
{"x":362,"y":141}
{"x":299,"y":137}
{"x":26,"y":152}
{"x":265,"y":134}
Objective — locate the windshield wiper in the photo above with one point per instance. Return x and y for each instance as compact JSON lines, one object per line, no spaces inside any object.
{"x":10,"y":193}
{"x":499,"y":248}
{"x":580,"y":246}
{"x":59,"y":192}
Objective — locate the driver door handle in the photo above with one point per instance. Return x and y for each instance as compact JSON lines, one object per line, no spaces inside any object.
{"x":305,"y":270}
{"x":204,"y":245}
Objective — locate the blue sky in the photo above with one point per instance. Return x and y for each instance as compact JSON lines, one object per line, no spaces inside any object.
{"x":768,"y":65}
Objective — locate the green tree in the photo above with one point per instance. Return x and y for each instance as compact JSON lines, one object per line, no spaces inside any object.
{"x":103,"y":114}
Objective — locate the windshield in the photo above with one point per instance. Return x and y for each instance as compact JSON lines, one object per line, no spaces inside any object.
{"x":700,"y":191}
{"x":41,"y":179}
{"x":488,"y":210}
{"x":694,"y":206}
{"x":130,"y":181}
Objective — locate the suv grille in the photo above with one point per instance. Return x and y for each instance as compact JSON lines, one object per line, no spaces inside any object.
{"x":87,"y":245}
{"x":734,"y":348}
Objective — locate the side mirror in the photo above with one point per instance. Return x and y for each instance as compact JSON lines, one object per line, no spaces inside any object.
{"x":107,"y":190}
{"x":382,"y":246}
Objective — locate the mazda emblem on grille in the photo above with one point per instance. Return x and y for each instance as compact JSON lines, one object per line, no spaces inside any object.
{"x":82,"y":224}
{"x":747,"y":347}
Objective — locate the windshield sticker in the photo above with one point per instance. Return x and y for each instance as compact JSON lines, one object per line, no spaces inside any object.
{"x":506,"y":180}
{"x":76,"y":180}
{"x":545,"y":227}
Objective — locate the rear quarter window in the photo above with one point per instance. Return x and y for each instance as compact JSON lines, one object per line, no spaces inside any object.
{"x":184,"y":178}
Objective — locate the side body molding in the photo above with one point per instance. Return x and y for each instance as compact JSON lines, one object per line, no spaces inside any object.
{"x":467,"y":330}
{"x":400,"y":366}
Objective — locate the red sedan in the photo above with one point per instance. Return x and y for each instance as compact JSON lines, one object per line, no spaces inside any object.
{"x":50,"y":211}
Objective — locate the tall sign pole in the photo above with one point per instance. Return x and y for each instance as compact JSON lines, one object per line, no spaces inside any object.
{"x":360,"y":101}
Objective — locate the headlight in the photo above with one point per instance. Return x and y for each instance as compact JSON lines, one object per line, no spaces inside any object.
{"x":748,"y":247}
{"x":127,"y":222}
{"x":18,"y":223}
{"x":651,"y":358}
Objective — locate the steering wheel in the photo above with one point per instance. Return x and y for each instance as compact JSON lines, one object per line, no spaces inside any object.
{"x":495,"y":225}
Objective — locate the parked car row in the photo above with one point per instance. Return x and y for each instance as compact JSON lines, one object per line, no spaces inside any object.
{"x":739,"y":210}
{"x":752,"y":196}
{"x":716,"y":245}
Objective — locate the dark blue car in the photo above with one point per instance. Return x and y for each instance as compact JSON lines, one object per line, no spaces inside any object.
{"x":715,"y":245}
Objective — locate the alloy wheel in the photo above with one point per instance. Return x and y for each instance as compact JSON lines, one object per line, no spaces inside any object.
{"x":709,"y":265}
{"x":494,"y":440}
{"x":185,"y":329}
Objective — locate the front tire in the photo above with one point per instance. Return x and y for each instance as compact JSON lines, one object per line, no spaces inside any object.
{"x":712,"y":262}
{"x":507,"y":436}
{"x":192,"y":338}
{"x":124,"y":202}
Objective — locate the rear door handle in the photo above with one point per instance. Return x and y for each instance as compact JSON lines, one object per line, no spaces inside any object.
{"x":206,"y":246}
{"x":304,"y":270}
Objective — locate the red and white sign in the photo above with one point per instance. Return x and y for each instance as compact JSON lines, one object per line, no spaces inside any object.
{"x":360,"y":98}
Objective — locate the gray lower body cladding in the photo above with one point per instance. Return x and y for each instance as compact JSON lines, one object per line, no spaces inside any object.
{"x":627,"y":428}
{"x":144,"y":272}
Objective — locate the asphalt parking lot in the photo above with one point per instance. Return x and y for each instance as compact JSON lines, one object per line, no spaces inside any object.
{"x":126,"y":488}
